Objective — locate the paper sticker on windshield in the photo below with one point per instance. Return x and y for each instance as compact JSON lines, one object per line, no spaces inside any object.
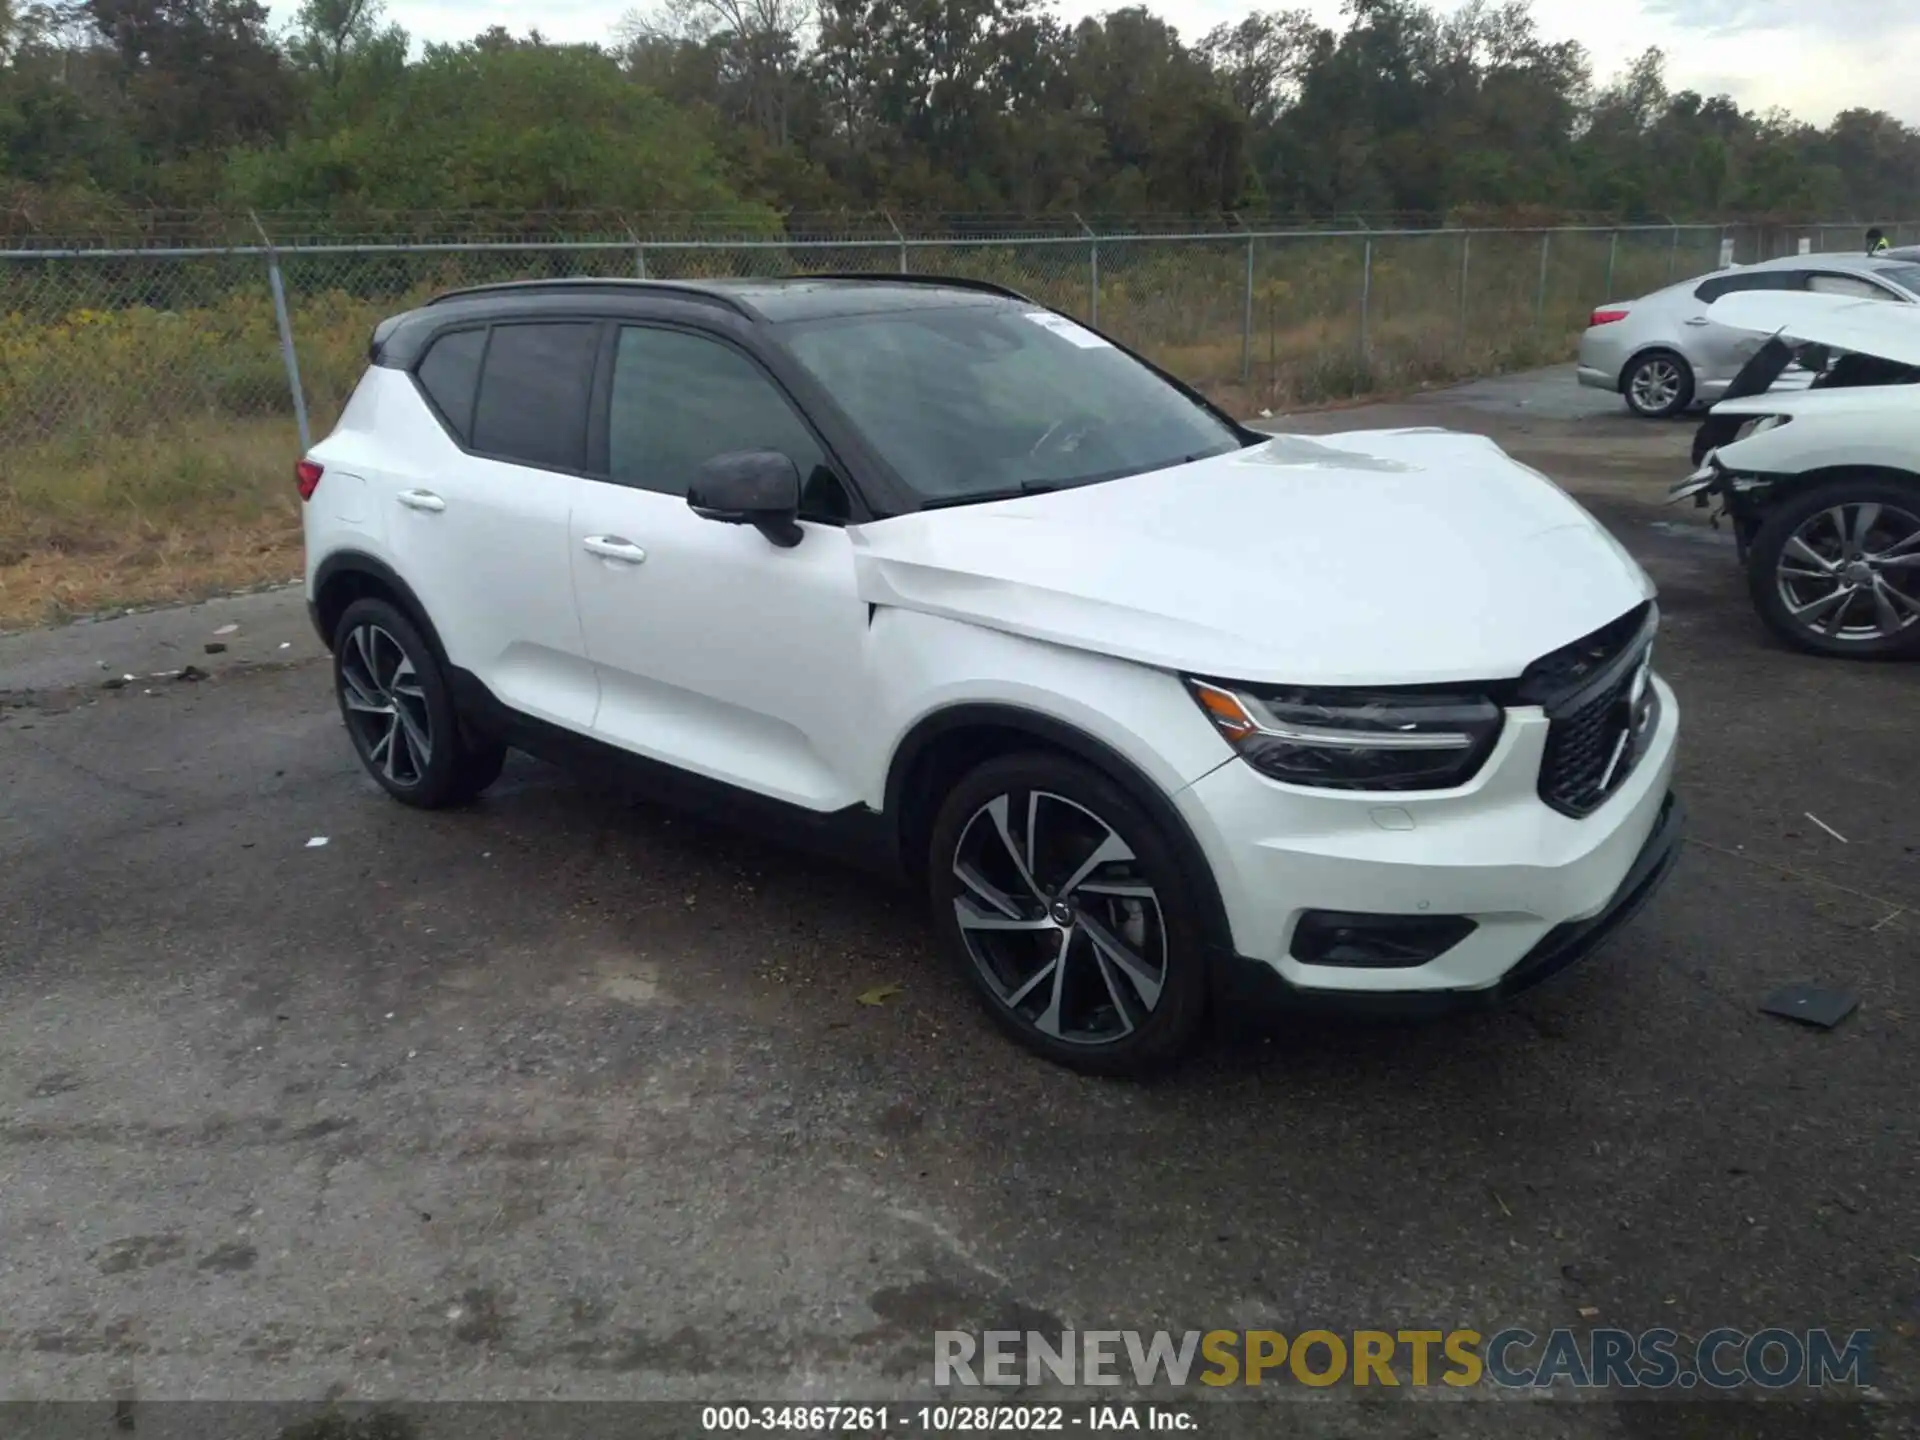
{"x":1063,"y":327}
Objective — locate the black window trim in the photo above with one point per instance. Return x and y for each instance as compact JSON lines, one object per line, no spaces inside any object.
{"x":600,"y":411}
{"x":466,"y":447}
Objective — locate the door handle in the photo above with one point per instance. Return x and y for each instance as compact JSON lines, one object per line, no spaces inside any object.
{"x":612,"y":547}
{"x":1699,"y":320}
{"x":422,"y":500}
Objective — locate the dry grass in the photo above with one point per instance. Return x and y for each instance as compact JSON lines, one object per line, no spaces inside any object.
{"x":179,"y":514}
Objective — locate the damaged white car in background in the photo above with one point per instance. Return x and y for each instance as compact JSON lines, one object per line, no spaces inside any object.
{"x":1822,"y":485}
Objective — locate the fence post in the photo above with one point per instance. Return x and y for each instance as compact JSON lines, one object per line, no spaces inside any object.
{"x":901,"y":238}
{"x":1673,"y":253}
{"x":639,"y":254}
{"x":1246,"y":322}
{"x":284,"y":322}
{"x":1366,"y":291}
{"x":1466,"y":259}
{"x":1540,"y":298}
{"x":1613,"y":255}
{"x":1093,"y":271}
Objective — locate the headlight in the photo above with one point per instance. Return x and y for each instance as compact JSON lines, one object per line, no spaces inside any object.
{"x":1758,"y":426}
{"x":1355,"y":739}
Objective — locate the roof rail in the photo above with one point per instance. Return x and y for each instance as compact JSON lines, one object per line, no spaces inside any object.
{"x":894,"y":277}
{"x":591,"y":283}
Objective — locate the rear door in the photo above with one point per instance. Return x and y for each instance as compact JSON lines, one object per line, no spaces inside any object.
{"x":1719,"y":351}
{"x":480,"y":526}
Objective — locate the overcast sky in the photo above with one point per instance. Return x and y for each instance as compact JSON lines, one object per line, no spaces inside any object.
{"x":1815,"y":57}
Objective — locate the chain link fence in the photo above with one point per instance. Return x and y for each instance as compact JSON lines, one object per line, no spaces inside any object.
{"x":113,"y":355}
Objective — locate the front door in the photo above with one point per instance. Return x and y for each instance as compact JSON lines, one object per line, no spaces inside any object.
{"x":716,"y":650}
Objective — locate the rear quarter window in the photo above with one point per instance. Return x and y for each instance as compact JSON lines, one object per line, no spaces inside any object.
{"x":450,"y":374}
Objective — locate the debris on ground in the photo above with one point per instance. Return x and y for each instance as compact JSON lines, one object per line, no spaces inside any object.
{"x":880,"y":994}
{"x":318,"y":842}
{"x":215,"y":647}
{"x":226,"y":629}
{"x":1816,"y":1005}
{"x":116,"y":682}
{"x":1826,"y":827}
{"x":192,"y":674}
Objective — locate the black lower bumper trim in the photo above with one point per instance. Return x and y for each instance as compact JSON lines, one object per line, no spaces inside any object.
{"x":1254,"y":983}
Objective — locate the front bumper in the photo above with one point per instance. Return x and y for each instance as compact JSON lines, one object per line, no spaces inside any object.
{"x":1248,"y":985}
{"x":1492,"y":852}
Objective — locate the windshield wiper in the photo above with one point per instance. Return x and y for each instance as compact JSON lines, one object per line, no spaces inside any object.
{"x":1004,"y":492}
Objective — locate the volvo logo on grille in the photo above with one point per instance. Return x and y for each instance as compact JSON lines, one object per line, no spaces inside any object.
{"x":1639,"y":711}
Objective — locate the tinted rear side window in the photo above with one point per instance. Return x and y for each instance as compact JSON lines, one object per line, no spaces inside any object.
{"x":533,"y":394}
{"x":450,"y":374}
{"x":1712,"y":290}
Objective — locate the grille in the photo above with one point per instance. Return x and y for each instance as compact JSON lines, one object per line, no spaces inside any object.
{"x":1581,"y":747}
{"x":1599,"y":726}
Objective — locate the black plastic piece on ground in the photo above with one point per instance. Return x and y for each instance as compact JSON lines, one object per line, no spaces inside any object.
{"x":1811,"y":1004}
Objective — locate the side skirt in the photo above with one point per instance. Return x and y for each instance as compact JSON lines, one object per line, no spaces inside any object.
{"x":858,"y":836}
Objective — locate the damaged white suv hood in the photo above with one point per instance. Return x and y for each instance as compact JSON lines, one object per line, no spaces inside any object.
{"x":1387,"y":557}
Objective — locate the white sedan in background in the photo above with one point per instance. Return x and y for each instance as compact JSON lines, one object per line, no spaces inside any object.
{"x":1674,"y":349}
{"x":1823,"y":484}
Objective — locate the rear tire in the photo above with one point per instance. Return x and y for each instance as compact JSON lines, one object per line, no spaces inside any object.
{"x":1070,"y":914}
{"x":1859,"y":535}
{"x":1658,"y":384}
{"x":398,"y":710}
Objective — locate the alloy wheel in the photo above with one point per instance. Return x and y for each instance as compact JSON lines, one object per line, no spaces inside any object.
{"x":1656,"y":385}
{"x":385,"y":705}
{"x":1059,"y":917}
{"x":1852,"y":572}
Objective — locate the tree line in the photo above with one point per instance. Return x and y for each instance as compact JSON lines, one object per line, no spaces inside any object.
{"x":913,"y":107}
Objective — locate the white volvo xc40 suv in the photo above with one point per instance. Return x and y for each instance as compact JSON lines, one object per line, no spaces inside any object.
{"x":1152,"y":707}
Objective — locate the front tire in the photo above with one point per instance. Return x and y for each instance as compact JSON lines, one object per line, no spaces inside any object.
{"x":1658,"y":384}
{"x":399,"y":711}
{"x":1836,"y":570}
{"x":1070,"y":913}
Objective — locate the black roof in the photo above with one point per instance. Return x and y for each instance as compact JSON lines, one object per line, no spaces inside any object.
{"x":402,"y":339}
{"x":775,"y":299}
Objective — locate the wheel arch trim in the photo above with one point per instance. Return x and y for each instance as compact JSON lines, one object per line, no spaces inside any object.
{"x":358,"y":562}
{"x":1064,"y":736}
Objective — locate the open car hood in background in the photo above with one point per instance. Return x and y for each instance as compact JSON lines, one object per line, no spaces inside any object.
{"x":1854,"y":342}
{"x":1883,"y":329}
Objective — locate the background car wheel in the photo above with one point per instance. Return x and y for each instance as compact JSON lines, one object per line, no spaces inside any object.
{"x":1658,"y":384}
{"x":1070,"y":913}
{"x":399,"y":713}
{"x":1836,"y":571}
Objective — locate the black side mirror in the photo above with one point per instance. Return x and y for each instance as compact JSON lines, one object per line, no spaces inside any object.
{"x":760,"y":488}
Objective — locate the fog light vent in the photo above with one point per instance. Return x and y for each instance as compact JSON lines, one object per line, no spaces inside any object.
{"x":1376,"y":942}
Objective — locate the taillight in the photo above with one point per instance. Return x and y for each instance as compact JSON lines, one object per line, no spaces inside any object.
{"x":307,"y":475}
{"x":1606,"y":317}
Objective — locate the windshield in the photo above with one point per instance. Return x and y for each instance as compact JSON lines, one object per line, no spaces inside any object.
{"x":987,"y":399}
